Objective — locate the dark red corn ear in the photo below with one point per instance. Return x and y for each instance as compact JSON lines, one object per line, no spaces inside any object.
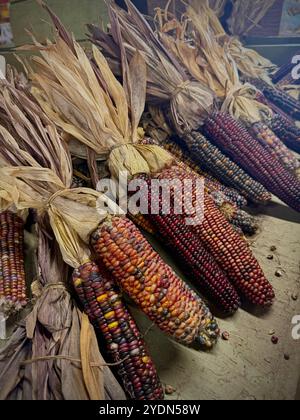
{"x":232,"y":253}
{"x":234,"y":139}
{"x":104,"y":306}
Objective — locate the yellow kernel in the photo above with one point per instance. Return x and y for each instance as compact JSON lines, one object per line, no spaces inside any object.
{"x":109,"y":314}
{"x":113,"y":325}
{"x":146,"y":359}
{"x":102,"y":298}
{"x":78,"y":282}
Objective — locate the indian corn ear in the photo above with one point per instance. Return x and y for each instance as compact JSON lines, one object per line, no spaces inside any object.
{"x":104,"y":306}
{"x":208,"y":156}
{"x":280,"y":98}
{"x":12,"y":271}
{"x":152,"y":284}
{"x":227,"y":248}
{"x":288,"y":132}
{"x":205,"y":273}
{"x":275,"y":146}
{"x":239,"y":145}
{"x":211,"y":183}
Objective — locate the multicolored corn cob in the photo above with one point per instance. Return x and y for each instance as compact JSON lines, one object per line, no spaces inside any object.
{"x":208,"y":156}
{"x":275,"y":146}
{"x":288,"y":132}
{"x":152,"y":284}
{"x":238,"y":144}
{"x":12,"y":271}
{"x":196,"y":260}
{"x":211,"y":183}
{"x":280,"y":98}
{"x":231,"y":252}
{"x":103,"y":304}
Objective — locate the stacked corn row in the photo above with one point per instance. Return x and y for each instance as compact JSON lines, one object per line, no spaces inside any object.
{"x":211,"y":183}
{"x":275,"y":146}
{"x":196,"y":260}
{"x":237,"y":217}
{"x":215,"y":162}
{"x":280,"y":98}
{"x":236,"y":142}
{"x":287,"y":131}
{"x":151,"y":283}
{"x":12,"y":272}
{"x":103,"y":304}
{"x":231,"y":253}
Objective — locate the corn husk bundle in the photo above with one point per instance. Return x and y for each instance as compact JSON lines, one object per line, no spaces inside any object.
{"x":166,"y":79}
{"x":210,"y":62}
{"x":247,"y":14}
{"x":249,"y":62}
{"x":54,"y":354}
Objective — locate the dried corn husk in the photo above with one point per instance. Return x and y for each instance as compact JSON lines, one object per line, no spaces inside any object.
{"x":38,"y":174}
{"x":167,"y":81}
{"x":207,"y":60}
{"x":249,"y":62}
{"x":54,"y":354}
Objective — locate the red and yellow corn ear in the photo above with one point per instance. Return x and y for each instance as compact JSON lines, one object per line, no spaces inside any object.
{"x":152,"y":284}
{"x":104,"y":306}
{"x":234,"y":139}
{"x":12,"y":271}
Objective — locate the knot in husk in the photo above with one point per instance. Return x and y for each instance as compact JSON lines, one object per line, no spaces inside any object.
{"x":241,"y":103}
